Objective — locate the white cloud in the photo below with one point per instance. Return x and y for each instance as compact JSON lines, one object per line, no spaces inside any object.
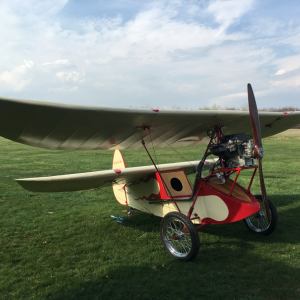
{"x":233,"y":100}
{"x":35,"y":8}
{"x":65,"y":89}
{"x":238,"y":95}
{"x":150,"y":37}
{"x":18,"y":78}
{"x":165,"y":54}
{"x":71,"y":76}
{"x":229,"y":11}
{"x":56,"y":66}
{"x":59,"y":62}
{"x":288,"y":74}
{"x":186,"y":87}
{"x":287,"y":82}
{"x":292,"y":38}
{"x":287,"y":64}
{"x":280,"y":72}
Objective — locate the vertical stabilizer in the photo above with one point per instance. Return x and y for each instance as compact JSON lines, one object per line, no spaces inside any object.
{"x":119,"y":187}
{"x":118,"y":160}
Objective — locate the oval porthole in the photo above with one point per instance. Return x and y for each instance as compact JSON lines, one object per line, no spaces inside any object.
{"x":176,"y":184}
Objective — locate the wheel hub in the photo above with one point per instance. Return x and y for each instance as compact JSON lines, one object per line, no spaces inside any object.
{"x":178,"y":236}
{"x":259,"y":215}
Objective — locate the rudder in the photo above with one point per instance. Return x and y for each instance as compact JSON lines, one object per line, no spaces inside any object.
{"x":119,"y":188}
{"x":118,"y":160}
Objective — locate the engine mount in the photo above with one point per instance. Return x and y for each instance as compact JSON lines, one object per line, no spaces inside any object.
{"x":235,"y":150}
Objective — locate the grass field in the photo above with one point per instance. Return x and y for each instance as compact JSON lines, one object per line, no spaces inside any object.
{"x":66,"y":245}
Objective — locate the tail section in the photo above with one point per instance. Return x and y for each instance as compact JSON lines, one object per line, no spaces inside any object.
{"x":118,"y":160}
{"x":119,"y":187}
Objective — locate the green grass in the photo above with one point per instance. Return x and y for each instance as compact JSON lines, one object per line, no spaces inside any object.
{"x":66,"y":245}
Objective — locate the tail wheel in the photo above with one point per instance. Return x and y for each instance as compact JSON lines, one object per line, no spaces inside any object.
{"x":179,"y":236}
{"x":258,"y":223}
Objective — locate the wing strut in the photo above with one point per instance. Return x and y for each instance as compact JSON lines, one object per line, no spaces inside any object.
{"x":143,"y":143}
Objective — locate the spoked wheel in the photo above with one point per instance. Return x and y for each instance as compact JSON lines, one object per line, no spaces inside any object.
{"x":179,"y":235}
{"x":258,"y":223}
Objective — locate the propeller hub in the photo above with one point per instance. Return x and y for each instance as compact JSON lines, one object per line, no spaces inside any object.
{"x":260,"y":152}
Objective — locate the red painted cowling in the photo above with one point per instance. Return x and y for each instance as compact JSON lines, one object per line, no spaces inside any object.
{"x":238,"y":209}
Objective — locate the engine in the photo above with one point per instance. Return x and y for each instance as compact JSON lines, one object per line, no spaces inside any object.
{"x":235,"y":150}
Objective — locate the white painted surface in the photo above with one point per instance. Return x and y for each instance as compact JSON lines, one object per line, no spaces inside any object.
{"x":143,"y":189}
{"x":118,"y":160}
{"x":211,"y":207}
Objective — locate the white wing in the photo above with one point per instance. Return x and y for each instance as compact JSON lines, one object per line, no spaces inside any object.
{"x":71,"y":127}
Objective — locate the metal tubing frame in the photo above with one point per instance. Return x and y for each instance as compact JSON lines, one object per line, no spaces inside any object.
{"x":143,"y":143}
{"x":202,"y":225}
{"x":232,"y":170}
{"x":236,"y":177}
{"x":250,"y":184}
{"x":193,"y":205}
{"x":212,"y":137}
{"x":217,"y":130}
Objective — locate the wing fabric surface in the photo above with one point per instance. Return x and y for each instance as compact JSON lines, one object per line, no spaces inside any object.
{"x":71,"y":127}
{"x":90,"y":180}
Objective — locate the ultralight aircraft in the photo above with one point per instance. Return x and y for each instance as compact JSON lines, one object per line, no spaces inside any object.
{"x":233,"y":137}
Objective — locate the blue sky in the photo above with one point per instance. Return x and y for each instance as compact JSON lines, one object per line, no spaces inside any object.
{"x":165,"y":54}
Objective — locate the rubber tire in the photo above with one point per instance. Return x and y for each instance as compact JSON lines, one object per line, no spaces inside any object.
{"x":274,"y":218}
{"x":195,"y":241}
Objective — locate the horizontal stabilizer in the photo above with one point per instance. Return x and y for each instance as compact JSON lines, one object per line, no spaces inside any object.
{"x":90,"y":180}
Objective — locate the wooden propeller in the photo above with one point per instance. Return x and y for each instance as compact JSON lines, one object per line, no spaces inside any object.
{"x":258,"y":149}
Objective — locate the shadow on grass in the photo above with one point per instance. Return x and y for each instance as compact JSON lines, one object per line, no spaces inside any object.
{"x":236,"y":265}
{"x":284,"y":200}
{"x":150,"y":223}
{"x":143,"y":221}
{"x":230,"y":271}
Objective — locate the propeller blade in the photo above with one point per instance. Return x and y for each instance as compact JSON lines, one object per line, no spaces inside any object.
{"x":255,"y":123}
{"x":258,"y":149}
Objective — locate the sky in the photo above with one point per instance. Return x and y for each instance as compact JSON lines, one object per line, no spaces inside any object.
{"x":158,"y":54}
